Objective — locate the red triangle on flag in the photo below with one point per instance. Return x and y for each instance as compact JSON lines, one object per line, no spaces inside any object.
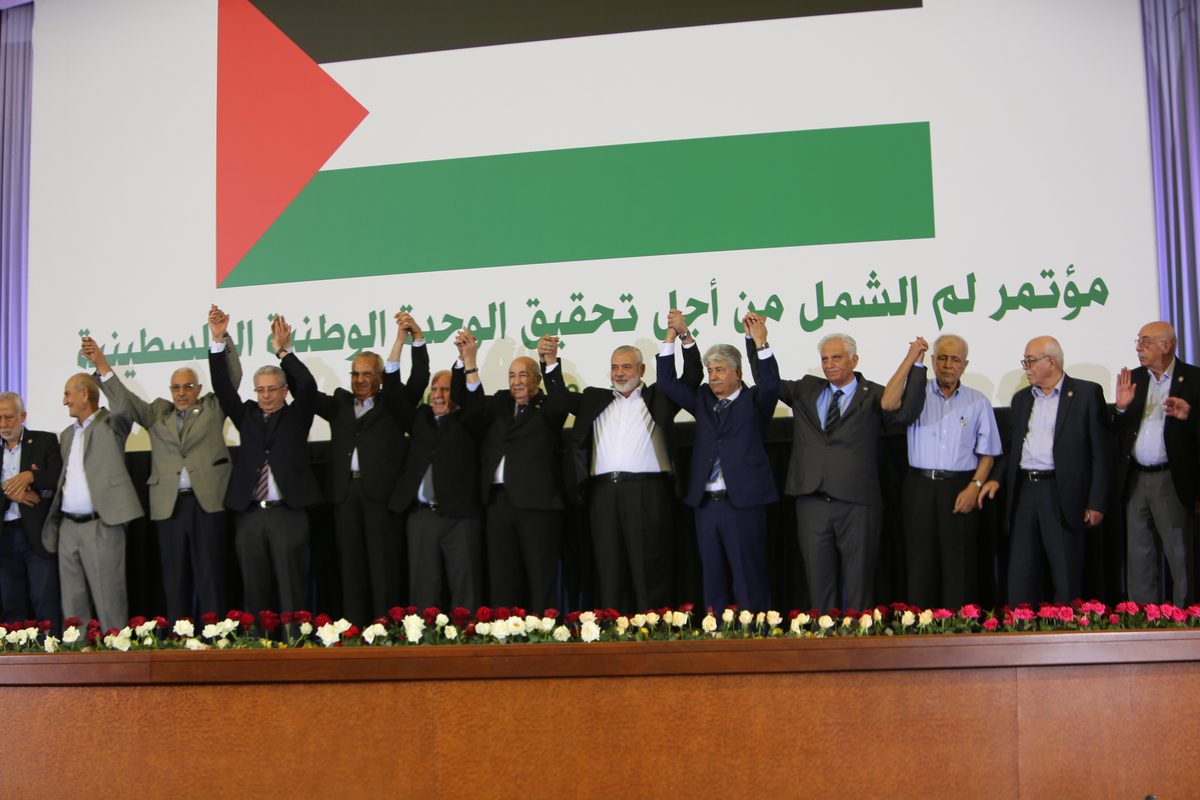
{"x":279,"y":119}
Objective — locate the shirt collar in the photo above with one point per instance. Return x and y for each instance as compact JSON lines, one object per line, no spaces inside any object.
{"x":16,"y":446}
{"x":1055,"y":393}
{"x":636,"y":394}
{"x":848,"y":389}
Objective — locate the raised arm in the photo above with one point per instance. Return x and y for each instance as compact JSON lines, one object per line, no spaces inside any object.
{"x":667,"y":381}
{"x":418,"y":376}
{"x":218,"y":331}
{"x":120,"y":399}
{"x":300,"y":381}
{"x":765,"y":368}
{"x":893,"y":393}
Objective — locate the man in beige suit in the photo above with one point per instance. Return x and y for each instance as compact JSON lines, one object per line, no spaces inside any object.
{"x":93,"y":501}
{"x":189,"y":473}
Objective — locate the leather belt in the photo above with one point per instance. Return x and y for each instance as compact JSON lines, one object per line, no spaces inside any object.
{"x":186,"y":492}
{"x":622,"y":477}
{"x":355,"y":474}
{"x":266,"y":504}
{"x":430,"y":506}
{"x":720,"y":494}
{"x":1036,"y":475}
{"x":942,"y":474}
{"x":1154,"y":468}
{"x":81,"y":518}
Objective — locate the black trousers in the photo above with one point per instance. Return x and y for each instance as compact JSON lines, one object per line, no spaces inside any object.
{"x":633,"y":538}
{"x":28,"y":579}
{"x":524,"y":546}
{"x":838,"y":539}
{"x":941,"y":547}
{"x":272,"y":548}
{"x":438,"y":544}
{"x":1037,"y":528}
{"x":369,"y":554}
{"x":193,"y":545}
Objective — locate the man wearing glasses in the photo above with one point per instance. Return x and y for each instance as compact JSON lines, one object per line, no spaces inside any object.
{"x":368,"y":448}
{"x":1158,"y":447}
{"x":951,"y":449}
{"x":189,"y":472}
{"x":1056,"y":469}
{"x":272,"y":483}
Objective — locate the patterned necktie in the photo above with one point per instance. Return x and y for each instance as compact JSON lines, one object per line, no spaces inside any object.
{"x":718,"y":409}
{"x":834,"y":412}
{"x":264,"y":481}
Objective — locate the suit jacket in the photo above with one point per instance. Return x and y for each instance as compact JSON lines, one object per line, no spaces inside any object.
{"x":843,"y":462}
{"x":528,"y":443}
{"x":113,"y":495}
{"x":1182,"y":437}
{"x":281,"y":441}
{"x":40,"y":454}
{"x":589,"y":404}
{"x":199,"y":446}
{"x":377,"y":434}
{"x":736,"y":437}
{"x":451,"y":446}
{"x":1082,"y":449}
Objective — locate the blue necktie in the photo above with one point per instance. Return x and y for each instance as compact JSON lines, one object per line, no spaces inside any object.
{"x":834,"y":412}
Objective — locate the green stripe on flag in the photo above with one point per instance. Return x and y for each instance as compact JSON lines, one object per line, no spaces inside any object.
{"x":861,"y":184}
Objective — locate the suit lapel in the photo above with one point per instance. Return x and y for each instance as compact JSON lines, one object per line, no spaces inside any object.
{"x":1065,"y":397}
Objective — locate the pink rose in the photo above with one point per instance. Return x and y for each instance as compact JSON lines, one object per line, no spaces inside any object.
{"x":970,"y":611}
{"x":990,"y":624}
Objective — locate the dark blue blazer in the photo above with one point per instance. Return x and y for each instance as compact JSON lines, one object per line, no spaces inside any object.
{"x":737,"y":438}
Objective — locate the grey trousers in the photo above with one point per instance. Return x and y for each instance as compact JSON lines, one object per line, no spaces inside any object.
{"x":91,"y":572}
{"x":1157,"y":524}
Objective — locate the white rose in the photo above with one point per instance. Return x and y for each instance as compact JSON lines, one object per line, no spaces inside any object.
{"x":373,"y":632}
{"x":759,"y":617}
{"x":222,"y":643}
{"x":727,"y":616}
{"x":483,"y":628}
{"x":547,"y":624}
{"x":305,"y":628}
{"x":797,"y":625}
{"x":146,"y":628}
{"x":228,"y":626}
{"x":638,"y":620}
{"x":500,"y":629}
{"x":708,"y":624}
{"x":50,"y":645}
{"x":774,"y":619}
{"x":148,"y":641}
{"x":825,"y":622}
{"x":184,"y":628}
{"x":342,"y":625}
{"x":804,"y":618}
{"x":533,"y":624}
{"x":587,"y":616}
{"x":327,"y":633}
{"x":440,"y":620}
{"x":678,"y":619}
{"x":11,"y":637}
{"x":71,"y":635}
{"x":589,"y":632}
{"x":907,"y":619}
{"x":622,"y":625}
{"x":414,"y":627}
{"x":562,"y":633}
{"x":516,"y":626}
{"x":745,"y":618}
{"x":450,"y":632}
{"x":195,"y":644}
{"x":121,"y":642}
{"x":926,"y":618}
{"x":210,"y":631}
{"x":877,"y":615}
{"x":847,"y":622}
{"x":865,"y":622}
{"x":652,"y":618}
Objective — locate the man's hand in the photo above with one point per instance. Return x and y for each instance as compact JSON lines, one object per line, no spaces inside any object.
{"x":986,"y":493}
{"x":916,"y":350}
{"x":92,"y":352}
{"x":548,"y":349}
{"x":28,"y":498}
{"x":17,"y":485}
{"x":756,"y":326}
{"x":1124,"y":389}
{"x":468,"y":348}
{"x":677,"y":325}
{"x":1092,"y":518}
{"x":1177,"y":407}
{"x":968,"y":499}
{"x":218,"y":324}
{"x":281,"y":333}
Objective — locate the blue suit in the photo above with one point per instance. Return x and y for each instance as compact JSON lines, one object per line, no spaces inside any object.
{"x":731,"y":530}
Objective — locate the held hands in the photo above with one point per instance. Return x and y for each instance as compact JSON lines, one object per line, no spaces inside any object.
{"x":92,"y":352}
{"x":468,"y":348}
{"x":218,"y":323}
{"x":281,"y":333}
{"x":916,"y":350}
{"x":677,"y":326}
{"x":756,"y":327}
{"x":15,"y":487}
{"x":547,"y":349}
{"x":405,"y":322}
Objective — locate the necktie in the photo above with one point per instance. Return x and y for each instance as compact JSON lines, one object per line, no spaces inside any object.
{"x":260,"y":489}
{"x":718,"y":409}
{"x":427,"y":480}
{"x":179,"y":422}
{"x":834,"y":412}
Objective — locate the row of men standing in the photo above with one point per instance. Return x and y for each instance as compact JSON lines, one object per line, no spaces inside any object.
{"x":470,"y":456}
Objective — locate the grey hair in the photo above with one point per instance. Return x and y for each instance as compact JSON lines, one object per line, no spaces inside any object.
{"x":88,"y":384}
{"x":1055,"y":351}
{"x":951,"y":337}
{"x":375,"y":358}
{"x":14,"y":397}
{"x":724,"y":352}
{"x":845,"y":339}
{"x":271,"y":369}
{"x":628,"y":347}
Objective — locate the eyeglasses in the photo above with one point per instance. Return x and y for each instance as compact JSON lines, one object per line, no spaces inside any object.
{"x":1146,"y":341}
{"x":267,"y":389}
{"x":184,"y":387}
{"x":1029,"y":361}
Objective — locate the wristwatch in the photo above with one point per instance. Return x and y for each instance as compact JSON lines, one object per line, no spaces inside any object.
{"x":978,"y":484}
{"x":281,"y":352}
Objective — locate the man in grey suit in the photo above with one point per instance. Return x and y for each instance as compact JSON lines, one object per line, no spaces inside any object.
{"x":834,"y":467}
{"x":189,"y":472}
{"x":93,"y":501}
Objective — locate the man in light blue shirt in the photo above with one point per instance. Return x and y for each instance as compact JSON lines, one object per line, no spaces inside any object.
{"x":951,"y":449}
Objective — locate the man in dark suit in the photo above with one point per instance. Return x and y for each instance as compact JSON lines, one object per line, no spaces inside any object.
{"x":92,"y":503}
{"x":368,"y":455}
{"x":272,"y":482}
{"x":1056,"y":467}
{"x":520,"y":482}
{"x":32,"y":464}
{"x":439,"y":492}
{"x":834,"y":468}
{"x":622,"y":445}
{"x":1158,"y":465}
{"x":731,"y":481}
{"x":189,"y":474}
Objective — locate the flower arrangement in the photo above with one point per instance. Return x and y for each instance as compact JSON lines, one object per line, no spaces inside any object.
{"x":407,"y":626}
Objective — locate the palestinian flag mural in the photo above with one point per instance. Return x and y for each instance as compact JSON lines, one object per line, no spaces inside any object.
{"x":286,"y":213}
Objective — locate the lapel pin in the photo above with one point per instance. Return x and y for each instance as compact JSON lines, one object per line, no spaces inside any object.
{"x":1070,"y":394}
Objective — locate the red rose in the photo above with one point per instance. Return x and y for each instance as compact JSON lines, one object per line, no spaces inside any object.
{"x":483,"y":614}
{"x":572,"y":618}
{"x":94,"y":635}
{"x":322,"y":619}
{"x":460,"y":616}
{"x":552,"y":613}
{"x":351,"y":632}
{"x":686,"y":608}
{"x":269,"y":620}
{"x":73,"y":622}
{"x":136,"y":621}
{"x":1193,"y":611}
{"x":44,"y":625}
{"x":396,"y":613}
{"x":301,"y":617}
{"x":970,"y":611}
{"x":286,"y":618}
{"x":503,"y":612}
{"x":1066,"y":614}
{"x":791,"y":615}
{"x":470,"y":629}
{"x":1128,"y":607}
{"x":519,"y":612}
{"x":93,"y":624}
{"x":942,"y":613}
{"x":1178,"y":614}
{"x":1083,"y":622}
{"x":208,"y":618}
{"x":1152,"y":612}
{"x":1022,"y":614}
{"x":160,"y":623}
{"x":410,"y":610}
{"x":430,"y":615}
{"x":1113,"y":619}
{"x":990,"y":624}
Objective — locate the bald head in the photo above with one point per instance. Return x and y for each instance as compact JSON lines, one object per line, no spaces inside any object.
{"x":1156,"y":346}
{"x":81,"y":396}
{"x":1043,"y":362}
